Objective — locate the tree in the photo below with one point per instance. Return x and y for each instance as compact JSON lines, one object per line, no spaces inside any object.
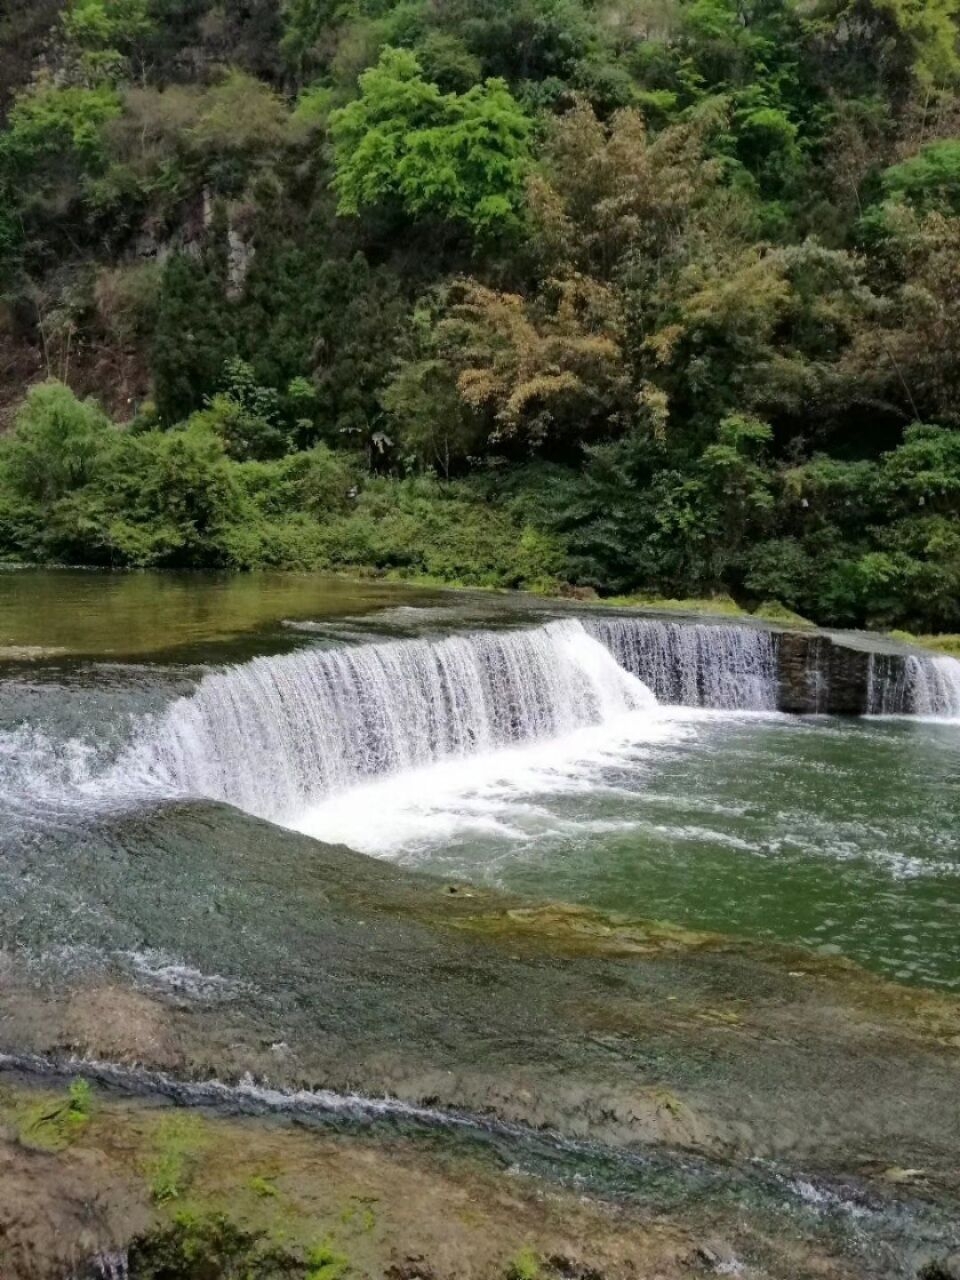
{"x":929,"y":180}
{"x":608,"y":190}
{"x":549,"y":373}
{"x":245,"y":415}
{"x":761,"y":330}
{"x":240,"y":116}
{"x":55,"y":444}
{"x":462,"y":157}
{"x":171,"y":498}
{"x":910,"y":358}
{"x":53,"y":129}
{"x":97,"y":25}
{"x":885,"y":48}
{"x":430,"y":422}
{"x":305,"y":22}
{"x":193,"y":337}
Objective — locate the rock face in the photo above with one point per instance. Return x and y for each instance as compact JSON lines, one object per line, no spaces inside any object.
{"x":820,"y":674}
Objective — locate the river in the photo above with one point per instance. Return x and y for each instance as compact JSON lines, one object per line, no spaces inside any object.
{"x":494,"y":739}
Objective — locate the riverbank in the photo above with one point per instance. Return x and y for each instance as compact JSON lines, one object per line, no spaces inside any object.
{"x":133,"y":1187}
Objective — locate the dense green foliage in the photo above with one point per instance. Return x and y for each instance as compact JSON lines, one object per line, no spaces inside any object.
{"x":460,"y":157}
{"x":638,"y":298}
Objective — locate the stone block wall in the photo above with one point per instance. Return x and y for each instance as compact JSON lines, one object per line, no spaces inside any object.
{"x":819,"y":673}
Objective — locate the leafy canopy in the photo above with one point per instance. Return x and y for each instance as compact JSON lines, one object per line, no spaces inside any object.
{"x":930,"y":179}
{"x":52,"y":121}
{"x":457,"y":156}
{"x":107,"y":24}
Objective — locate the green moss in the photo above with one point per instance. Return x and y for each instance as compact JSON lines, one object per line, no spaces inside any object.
{"x":525,"y":1266}
{"x":325,"y":1263}
{"x":262,"y":1186}
{"x":53,"y":1124}
{"x":574,"y":930}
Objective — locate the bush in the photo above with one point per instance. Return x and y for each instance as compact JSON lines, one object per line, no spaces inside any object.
{"x":55,"y":446}
{"x":420,"y":528}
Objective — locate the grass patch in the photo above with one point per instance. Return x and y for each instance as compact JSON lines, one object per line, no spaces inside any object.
{"x":525,"y":1266}
{"x":359,"y":1215}
{"x":264,"y":1187}
{"x":178,"y":1142}
{"x":774,"y":611}
{"x":325,"y":1263}
{"x":722,"y":604}
{"x":948,"y":644}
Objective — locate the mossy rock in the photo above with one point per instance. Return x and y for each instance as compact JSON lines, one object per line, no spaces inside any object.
{"x":575,"y":930}
{"x":53,"y":1124}
{"x":214,"y":1248}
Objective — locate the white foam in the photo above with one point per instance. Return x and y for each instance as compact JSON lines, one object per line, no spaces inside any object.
{"x":500,"y":794}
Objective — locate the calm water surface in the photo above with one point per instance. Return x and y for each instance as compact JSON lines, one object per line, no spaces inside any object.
{"x":73,"y":613}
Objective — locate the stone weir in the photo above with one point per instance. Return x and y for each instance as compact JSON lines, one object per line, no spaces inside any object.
{"x":749,"y":665}
{"x":856,"y":673}
{"x":830,"y":674}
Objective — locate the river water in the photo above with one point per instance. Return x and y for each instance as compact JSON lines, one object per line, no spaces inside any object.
{"x":488,"y":739}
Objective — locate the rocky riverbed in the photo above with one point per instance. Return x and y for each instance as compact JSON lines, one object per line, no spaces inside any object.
{"x":492,"y":1074}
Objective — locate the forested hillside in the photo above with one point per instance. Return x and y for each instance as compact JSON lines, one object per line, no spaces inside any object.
{"x":628,"y":294}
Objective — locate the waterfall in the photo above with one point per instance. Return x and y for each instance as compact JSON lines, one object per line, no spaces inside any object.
{"x":915,"y":685}
{"x":695,"y":664}
{"x":279,"y":733}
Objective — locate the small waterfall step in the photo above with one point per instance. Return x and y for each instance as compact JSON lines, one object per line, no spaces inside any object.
{"x":280,"y":733}
{"x":917,"y":684}
{"x":744,"y":666}
{"x":696,"y":664}
{"x":857,"y":673}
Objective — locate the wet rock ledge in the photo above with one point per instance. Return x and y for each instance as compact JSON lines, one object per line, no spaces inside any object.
{"x":845,"y":673}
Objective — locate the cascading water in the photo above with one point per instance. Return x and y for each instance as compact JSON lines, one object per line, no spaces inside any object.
{"x":732,"y":668}
{"x":277,"y":734}
{"x":915,"y":685}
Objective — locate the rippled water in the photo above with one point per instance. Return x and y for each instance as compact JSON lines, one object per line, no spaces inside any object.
{"x":838,"y":835}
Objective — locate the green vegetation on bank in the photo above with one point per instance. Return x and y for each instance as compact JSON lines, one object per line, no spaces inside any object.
{"x":53,"y":1123}
{"x":650,"y":301}
{"x":942,"y":644}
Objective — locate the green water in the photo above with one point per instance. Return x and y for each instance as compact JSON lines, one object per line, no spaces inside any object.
{"x":74,"y":613}
{"x":839,"y":836}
